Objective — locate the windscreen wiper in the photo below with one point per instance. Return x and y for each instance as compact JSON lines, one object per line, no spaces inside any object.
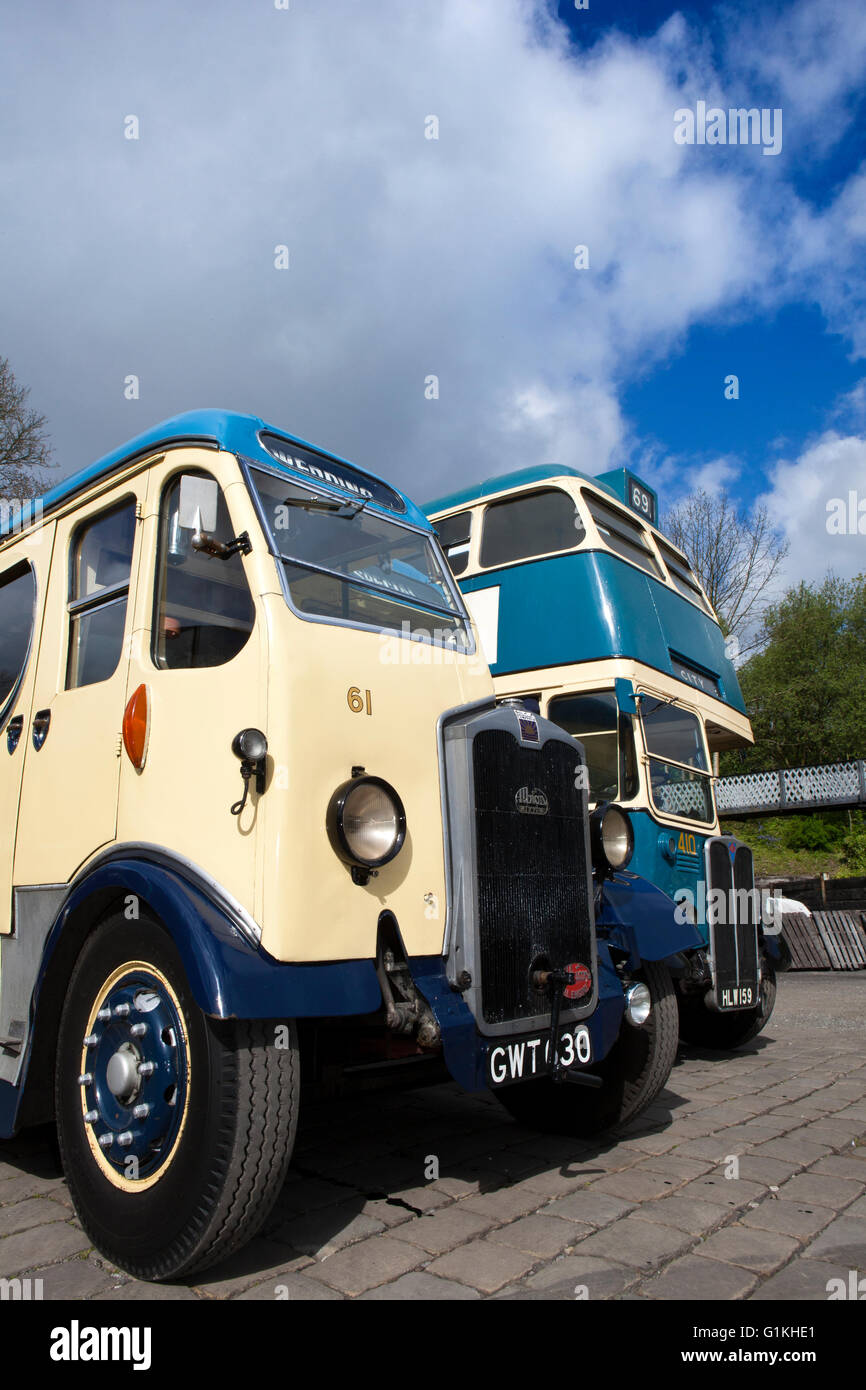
{"x":329,"y":505}
{"x":659,"y":701}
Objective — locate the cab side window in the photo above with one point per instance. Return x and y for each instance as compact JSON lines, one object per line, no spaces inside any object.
{"x":453,"y":533}
{"x":17,"y":605}
{"x":594,"y":720}
{"x":98,"y":595}
{"x":204,"y":612}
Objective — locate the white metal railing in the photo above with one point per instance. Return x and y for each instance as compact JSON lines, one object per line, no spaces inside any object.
{"x":792,"y":789}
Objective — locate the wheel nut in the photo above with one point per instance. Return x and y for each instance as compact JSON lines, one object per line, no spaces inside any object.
{"x":138,"y":1030}
{"x":125,"y":1139}
{"x":121,"y":1010}
{"x":141,"y":1112}
{"x":146,"y":1068}
{"x":91,"y":1040}
{"x":92,"y":1116}
{"x":85,"y":1079}
{"x":104,"y":1015}
{"x":106,"y":1141}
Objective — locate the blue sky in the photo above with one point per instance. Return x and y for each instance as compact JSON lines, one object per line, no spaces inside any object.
{"x":794,"y":372}
{"x":413,"y":258}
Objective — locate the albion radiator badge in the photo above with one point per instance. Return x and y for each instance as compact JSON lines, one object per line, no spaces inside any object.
{"x":531,"y":802}
{"x":528,"y":725}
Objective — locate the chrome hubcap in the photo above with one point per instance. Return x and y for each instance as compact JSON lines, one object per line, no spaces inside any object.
{"x":122,"y":1073}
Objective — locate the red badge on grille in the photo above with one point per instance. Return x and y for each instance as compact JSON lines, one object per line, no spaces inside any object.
{"x":581,"y":981}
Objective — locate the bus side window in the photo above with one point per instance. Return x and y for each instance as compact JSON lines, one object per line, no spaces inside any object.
{"x":453,"y":533}
{"x":98,"y":594}
{"x":17,"y":600}
{"x":539,"y":523}
{"x":203,"y":611}
{"x":593,"y":719}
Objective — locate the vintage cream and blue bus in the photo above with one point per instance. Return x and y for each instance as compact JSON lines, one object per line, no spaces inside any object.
{"x":585,"y":607}
{"x":262,"y":820}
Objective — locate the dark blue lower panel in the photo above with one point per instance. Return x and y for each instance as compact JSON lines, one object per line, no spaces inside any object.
{"x":466,"y":1050}
{"x":9,"y":1096}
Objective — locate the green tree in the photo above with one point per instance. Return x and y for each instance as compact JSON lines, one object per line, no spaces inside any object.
{"x":805,"y":690}
{"x":24,"y":447}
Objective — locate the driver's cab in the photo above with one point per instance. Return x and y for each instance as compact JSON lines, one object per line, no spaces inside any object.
{"x":648,"y":750}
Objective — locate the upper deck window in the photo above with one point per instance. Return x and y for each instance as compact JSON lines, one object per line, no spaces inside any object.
{"x":346,"y":564}
{"x":682,"y":575}
{"x":454,"y":532}
{"x":622,"y":534}
{"x":538,"y":523}
{"x":17,"y":598}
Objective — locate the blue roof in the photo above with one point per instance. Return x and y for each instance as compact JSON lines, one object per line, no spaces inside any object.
{"x":224,"y":429}
{"x":505,"y":481}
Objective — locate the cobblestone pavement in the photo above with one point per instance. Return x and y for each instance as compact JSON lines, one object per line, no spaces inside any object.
{"x":514,"y":1214}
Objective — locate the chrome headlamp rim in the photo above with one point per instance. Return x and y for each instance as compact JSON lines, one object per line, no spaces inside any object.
{"x":600,"y":859}
{"x":336,"y":829}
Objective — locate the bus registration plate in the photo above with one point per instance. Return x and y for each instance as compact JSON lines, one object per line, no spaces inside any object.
{"x":519,"y":1059}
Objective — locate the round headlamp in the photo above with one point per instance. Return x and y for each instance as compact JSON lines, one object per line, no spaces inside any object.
{"x":366,"y":822}
{"x":638,"y":1005}
{"x":611,"y":837}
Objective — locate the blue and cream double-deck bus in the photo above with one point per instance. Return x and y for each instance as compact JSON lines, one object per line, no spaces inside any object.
{"x":585,"y":607}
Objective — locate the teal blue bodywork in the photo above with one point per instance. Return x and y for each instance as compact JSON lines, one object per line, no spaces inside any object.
{"x":594,"y":607}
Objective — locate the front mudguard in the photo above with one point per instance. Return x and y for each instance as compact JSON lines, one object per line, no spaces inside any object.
{"x":637,"y":918}
{"x":230,"y":976}
{"x":778,"y":950}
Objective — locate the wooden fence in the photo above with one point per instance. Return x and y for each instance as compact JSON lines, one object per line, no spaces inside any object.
{"x":826,"y":940}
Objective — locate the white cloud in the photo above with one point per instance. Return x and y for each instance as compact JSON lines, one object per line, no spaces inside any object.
{"x":807,"y":492}
{"x":409,"y":256}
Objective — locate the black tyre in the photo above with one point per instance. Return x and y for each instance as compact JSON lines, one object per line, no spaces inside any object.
{"x":703,"y":1027}
{"x":175,"y":1130}
{"x":633,"y":1073}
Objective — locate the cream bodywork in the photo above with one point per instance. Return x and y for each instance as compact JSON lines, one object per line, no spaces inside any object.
{"x":35,"y":548}
{"x":600,"y":675}
{"x":292,"y":680}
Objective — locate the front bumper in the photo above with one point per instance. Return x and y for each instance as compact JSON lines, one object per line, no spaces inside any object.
{"x":466,"y":1050}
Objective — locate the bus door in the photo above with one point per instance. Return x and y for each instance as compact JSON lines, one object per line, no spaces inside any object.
{"x":73,"y":740}
{"x":200,"y":658}
{"x":23,"y":581}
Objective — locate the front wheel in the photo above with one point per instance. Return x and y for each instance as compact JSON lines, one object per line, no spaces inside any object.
{"x":703,"y":1027}
{"x":175,"y":1129}
{"x":633,"y":1073}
